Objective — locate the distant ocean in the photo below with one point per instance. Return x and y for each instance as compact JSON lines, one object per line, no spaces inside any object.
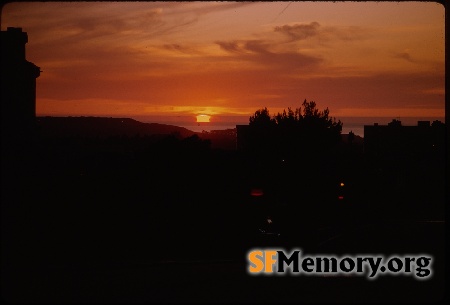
{"x":355,"y":124}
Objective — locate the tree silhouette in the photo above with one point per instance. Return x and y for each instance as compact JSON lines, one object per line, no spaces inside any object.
{"x":303,"y":130}
{"x":288,"y":119}
{"x":261,"y":118}
{"x":395,"y":122}
{"x":437,"y":123}
{"x":312,"y":118}
{"x":351,"y":137}
{"x":295,"y":153}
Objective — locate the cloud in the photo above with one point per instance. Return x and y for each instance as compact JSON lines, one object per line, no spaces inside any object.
{"x":252,"y":90}
{"x":185,"y":49}
{"x":230,"y":46}
{"x":377,"y":90}
{"x":346,"y":33}
{"x":211,"y":7}
{"x":435,"y":91}
{"x":299,"y":31}
{"x":404,"y":55}
{"x":103,"y":37}
{"x":389,"y":113}
{"x":258,"y":46}
{"x":260,"y":52}
{"x":72,"y":23}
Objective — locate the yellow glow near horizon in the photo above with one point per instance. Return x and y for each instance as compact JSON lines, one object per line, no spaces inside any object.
{"x":203,"y":118}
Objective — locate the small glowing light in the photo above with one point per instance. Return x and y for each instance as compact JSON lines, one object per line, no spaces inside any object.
{"x":269,"y":220}
{"x":203,"y":118}
{"x":342,"y":184}
{"x":256,"y":192}
{"x":341,"y":197}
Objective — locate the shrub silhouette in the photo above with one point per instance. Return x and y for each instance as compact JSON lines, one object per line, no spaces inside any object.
{"x":305,"y":130}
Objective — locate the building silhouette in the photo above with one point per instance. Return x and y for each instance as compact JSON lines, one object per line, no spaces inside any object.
{"x":396,"y":140}
{"x":250,"y":138}
{"x":18,"y":85}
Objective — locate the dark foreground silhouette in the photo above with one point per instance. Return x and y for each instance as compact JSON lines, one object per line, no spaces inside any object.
{"x":174,"y":218}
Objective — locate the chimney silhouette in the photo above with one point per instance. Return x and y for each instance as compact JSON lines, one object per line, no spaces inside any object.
{"x":18,"y":85}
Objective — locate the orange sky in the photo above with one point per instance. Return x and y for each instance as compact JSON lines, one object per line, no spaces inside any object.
{"x":231,"y":58}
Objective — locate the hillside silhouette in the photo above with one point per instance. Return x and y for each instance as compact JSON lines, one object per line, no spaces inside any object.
{"x":104,"y":127}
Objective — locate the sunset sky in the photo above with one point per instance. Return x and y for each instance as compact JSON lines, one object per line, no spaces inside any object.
{"x":231,"y":58}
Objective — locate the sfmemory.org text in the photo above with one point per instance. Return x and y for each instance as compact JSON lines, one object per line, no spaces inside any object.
{"x":277,"y":261}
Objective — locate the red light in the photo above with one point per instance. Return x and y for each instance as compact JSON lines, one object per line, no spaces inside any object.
{"x":341,"y":197}
{"x":256,"y":192}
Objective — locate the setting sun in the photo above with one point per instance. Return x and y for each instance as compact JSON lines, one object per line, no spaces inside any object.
{"x":203,"y":118}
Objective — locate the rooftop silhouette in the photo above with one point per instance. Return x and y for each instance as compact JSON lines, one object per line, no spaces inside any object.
{"x":394,"y":138}
{"x":18,"y":90}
